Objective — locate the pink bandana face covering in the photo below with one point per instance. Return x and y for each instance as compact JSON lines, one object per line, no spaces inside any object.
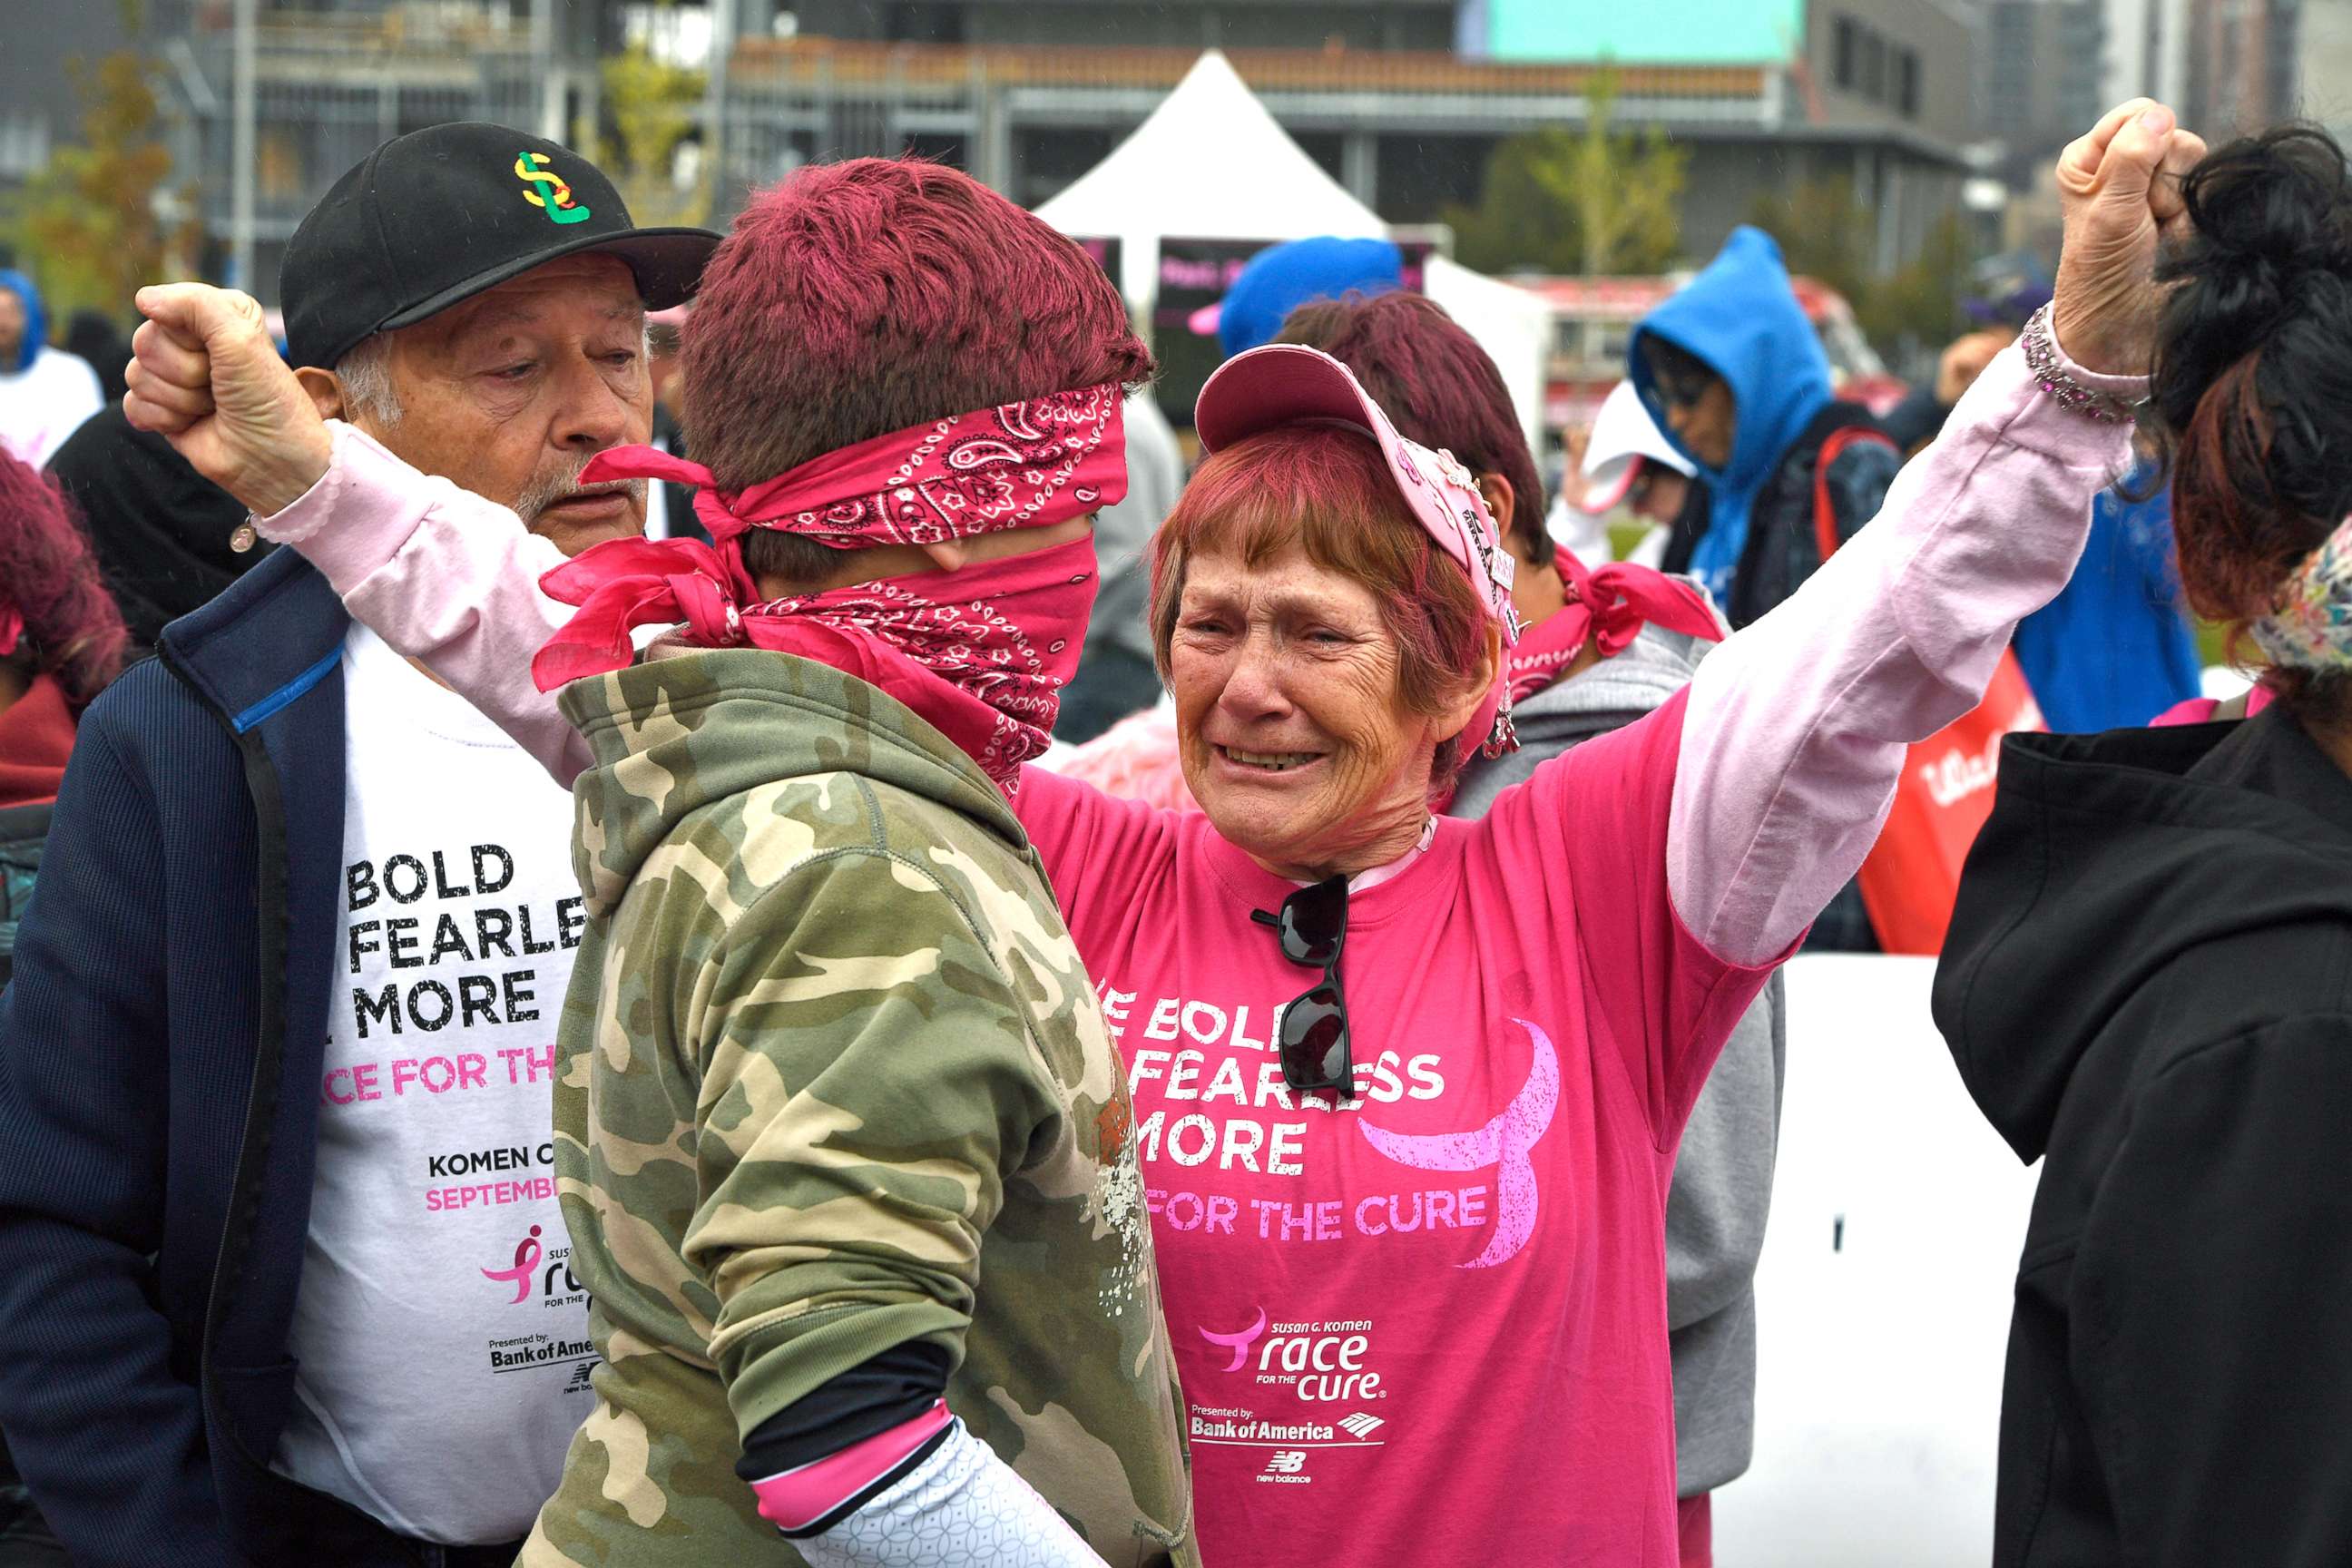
{"x":982,"y":654}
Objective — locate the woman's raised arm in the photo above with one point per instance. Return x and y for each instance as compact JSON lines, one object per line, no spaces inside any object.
{"x":443,"y":575}
{"x":1796,"y":732}
{"x":447,"y":578}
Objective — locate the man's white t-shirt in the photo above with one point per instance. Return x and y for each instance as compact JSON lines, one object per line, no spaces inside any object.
{"x":441,"y":1338}
{"x":46,"y":402}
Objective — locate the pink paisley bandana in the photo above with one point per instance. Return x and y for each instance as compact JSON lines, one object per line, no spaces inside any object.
{"x":982,"y":654}
{"x":1022,"y":464}
{"x":1607,"y":608}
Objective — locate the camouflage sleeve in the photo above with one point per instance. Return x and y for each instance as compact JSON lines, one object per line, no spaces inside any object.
{"x":868,"y":1084}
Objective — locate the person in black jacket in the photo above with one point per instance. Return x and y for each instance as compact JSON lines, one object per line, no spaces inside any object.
{"x":274,"y":1125}
{"x":2148,"y":979}
{"x":166,"y":539}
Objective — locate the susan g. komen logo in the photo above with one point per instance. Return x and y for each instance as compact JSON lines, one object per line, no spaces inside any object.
{"x":1504,"y":1142}
{"x":527,"y":1254}
{"x":1239,"y":1343}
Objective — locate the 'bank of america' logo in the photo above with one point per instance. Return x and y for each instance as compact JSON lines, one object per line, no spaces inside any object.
{"x":1361,"y":1425}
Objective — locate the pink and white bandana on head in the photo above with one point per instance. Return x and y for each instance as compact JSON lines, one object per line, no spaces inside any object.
{"x":1289,"y":384}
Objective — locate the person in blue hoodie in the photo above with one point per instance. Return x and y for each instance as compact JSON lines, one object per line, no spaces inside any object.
{"x":1733,"y":373}
{"x":45,"y":392}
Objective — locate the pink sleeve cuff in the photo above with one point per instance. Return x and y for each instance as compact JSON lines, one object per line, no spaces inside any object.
{"x":811,"y":1499}
{"x":364,"y":509}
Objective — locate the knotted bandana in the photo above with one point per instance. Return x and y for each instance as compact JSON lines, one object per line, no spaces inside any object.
{"x":982,"y":654}
{"x":1607,"y":608}
{"x":2311,"y":628}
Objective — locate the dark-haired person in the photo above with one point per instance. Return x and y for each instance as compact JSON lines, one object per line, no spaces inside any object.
{"x":2148,"y":980}
{"x":1411,"y":1217}
{"x":1612,"y":646}
{"x":847,"y":1159}
{"x":168,"y":539}
{"x":93,"y":338}
{"x":281,"y":1264}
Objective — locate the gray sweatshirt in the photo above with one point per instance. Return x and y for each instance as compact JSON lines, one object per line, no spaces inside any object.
{"x":1722,"y":1176}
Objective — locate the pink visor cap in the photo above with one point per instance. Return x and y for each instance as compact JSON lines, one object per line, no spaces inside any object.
{"x":1289,"y":384}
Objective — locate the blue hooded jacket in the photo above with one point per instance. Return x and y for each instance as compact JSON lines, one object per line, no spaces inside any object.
{"x":37,"y":322}
{"x":1741,"y":316}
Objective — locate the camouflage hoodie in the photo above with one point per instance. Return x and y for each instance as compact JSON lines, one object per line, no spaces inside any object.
{"x":828,"y":1063}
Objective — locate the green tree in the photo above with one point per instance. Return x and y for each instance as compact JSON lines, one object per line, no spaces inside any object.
{"x":653,"y":106}
{"x":87,"y":224}
{"x":1826,"y":234}
{"x":1593,"y":200}
{"x":1917,"y":311}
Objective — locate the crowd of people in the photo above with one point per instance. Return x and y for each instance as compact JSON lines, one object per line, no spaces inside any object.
{"x":1080,"y":1013}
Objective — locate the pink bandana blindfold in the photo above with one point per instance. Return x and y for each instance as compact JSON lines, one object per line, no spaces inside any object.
{"x":1009,"y":467}
{"x":983,"y":658}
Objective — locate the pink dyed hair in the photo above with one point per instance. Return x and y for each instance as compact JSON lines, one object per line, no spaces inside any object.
{"x":72,"y":629}
{"x":1436,"y":385}
{"x":860,"y":298}
{"x":1327,"y":490}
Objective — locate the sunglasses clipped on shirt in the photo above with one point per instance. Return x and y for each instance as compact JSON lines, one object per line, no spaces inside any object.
{"x":1313,"y":1042}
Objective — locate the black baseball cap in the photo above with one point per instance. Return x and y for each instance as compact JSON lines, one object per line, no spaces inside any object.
{"x":440,"y":214}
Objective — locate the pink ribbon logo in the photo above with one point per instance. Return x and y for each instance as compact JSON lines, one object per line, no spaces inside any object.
{"x":526,"y":1263}
{"x":1238,"y":1344}
{"x":1503,"y":1144}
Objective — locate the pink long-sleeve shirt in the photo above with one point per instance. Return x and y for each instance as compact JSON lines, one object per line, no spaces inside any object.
{"x":1429,"y":1325}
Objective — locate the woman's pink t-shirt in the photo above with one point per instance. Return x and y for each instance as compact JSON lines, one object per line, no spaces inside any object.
{"x":1429,"y":1326}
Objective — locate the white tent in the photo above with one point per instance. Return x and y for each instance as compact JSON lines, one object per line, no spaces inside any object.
{"x":1209,"y":162}
{"x":1511,"y":324}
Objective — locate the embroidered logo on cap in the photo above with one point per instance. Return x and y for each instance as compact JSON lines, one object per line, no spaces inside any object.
{"x":548,"y":190}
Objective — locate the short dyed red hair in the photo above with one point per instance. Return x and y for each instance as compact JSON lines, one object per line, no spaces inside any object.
{"x":72,"y":629}
{"x":1328,"y":491}
{"x":859,"y":298}
{"x":1436,"y":385}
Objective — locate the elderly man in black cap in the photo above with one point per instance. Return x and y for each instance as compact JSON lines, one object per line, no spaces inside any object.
{"x":282,"y":1275}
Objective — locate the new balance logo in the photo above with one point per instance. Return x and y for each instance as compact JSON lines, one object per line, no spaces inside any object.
{"x":1361,"y":1425}
{"x":1289,"y":1462}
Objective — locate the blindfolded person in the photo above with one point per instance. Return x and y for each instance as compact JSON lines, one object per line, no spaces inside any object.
{"x":291,"y":1289}
{"x":848,"y":1165}
{"x":1409,"y":1090}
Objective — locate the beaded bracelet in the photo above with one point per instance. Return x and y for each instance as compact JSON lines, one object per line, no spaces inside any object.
{"x":2050,"y":372}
